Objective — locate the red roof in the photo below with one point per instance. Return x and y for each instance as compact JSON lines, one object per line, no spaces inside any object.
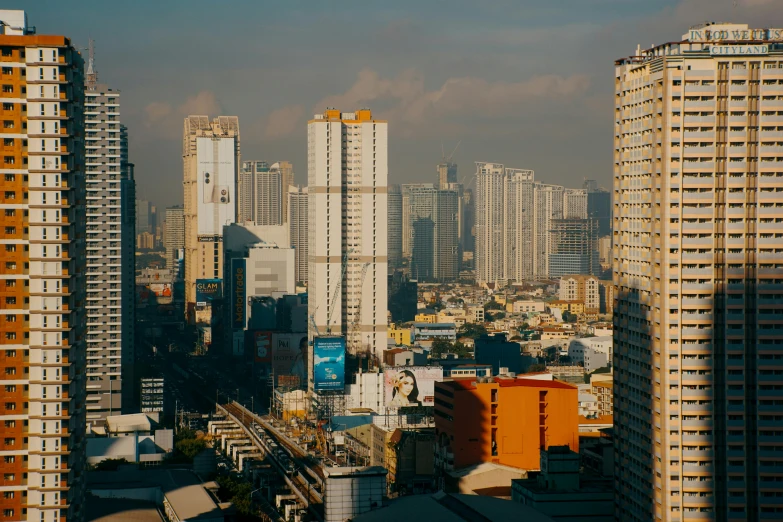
{"x":505,"y":382}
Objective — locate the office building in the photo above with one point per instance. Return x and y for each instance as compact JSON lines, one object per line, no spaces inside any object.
{"x":467,"y":222}
{"x":403,"y":297}
{"x":394,"y":229}
{"x":575,"y":204}
{"x":143,"y":216}
{"x":174,"y":237}
{"x":211,"y":163}
{"x":43,"y":319}
{"x":263,"y":192}
{"x":431,"y":230}
{"x":574,"y":248}
{"x":347,"y":177}
{"x":299,"y":226}
{"x":260,"y":266}
{"x":697,"y":251}
{"x":447,"y":174}
{"x":599,"y":206}
{"x":502,"y":420}
{"x":152,"y":394}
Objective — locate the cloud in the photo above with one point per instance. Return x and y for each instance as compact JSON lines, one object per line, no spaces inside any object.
{"x":166,"y":120}
{"x":412,"y":109}
{"x":284,"y":122}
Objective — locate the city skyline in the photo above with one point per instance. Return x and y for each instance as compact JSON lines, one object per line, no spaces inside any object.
{"x":406,"y":63}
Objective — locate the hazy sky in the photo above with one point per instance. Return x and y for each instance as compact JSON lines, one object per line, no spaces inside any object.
{"x":525,"y":83}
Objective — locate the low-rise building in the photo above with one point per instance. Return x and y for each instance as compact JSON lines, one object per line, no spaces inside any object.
{"x":525,"y":307}
{"x":475,"y":314}
{"x":551,"y":332}
{"x":426,"y":318}
{"x":559,"y":492}
{"x":604,"y":391}
{"x":430,"y":331}
{"x":592,"y":352}
{"x":502,"y":420}
{"x":401,"y":335}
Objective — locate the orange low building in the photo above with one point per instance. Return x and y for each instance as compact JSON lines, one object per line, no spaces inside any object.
{"x":505,"y":421}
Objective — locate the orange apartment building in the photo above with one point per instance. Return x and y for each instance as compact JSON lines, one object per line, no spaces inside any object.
{"x":505,"y":421}
{"x":42,"y":324}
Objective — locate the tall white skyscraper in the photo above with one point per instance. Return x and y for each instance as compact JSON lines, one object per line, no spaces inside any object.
{"x":504,"y":223}
{"x":698,"y":251}
{"x":109,"y":303}
{"x":575,"y":204}
{"x":174,"y":236}
{"x":299,"y":227}
{"x":210,"y":157}
{"x":347,"y":183}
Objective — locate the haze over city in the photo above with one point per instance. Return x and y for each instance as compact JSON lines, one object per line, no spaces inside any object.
{"x":526,"y":83}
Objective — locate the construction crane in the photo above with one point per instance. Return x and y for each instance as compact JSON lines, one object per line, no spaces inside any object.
{"x":330,"y":311}
{"x":357,"y":316}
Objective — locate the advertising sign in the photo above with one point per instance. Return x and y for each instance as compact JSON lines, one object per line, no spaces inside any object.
{"x":261,"y":346}
{"x":238,"y":299}
{"x":328,"y":364}
{"x":208,"y":289}
{"x":411,"y":385}
{"x":289,"y":354}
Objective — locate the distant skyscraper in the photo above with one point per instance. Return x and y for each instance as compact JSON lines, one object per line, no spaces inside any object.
{"x":142,"y":214}
{"x":447,"y":174}
{"x":547,"y":207}
{"x":395,"y":233}
{"x":575,"y":204}
{"x":299,"y":226}
{"x":431,"y":231}
{"x":263,"y":192}
{"x":43,"y":316}
{"x":574,"y":248}
{"x":286,"y":181}
{"x":698,"y":338}
{"x":211,"y":168}
{"x":347,"y":177}
{"x":468,"y":217}
{"x":174,"y":238}
{"x":110,"y":257}
{"x":504,"y":223}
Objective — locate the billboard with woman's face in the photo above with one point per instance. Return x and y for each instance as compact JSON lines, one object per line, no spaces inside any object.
{"x":411,"y":385}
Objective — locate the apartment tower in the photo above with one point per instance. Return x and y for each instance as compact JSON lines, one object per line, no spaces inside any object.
{"x":174,"y":237}
{"x":347,"y":176}
{"x":210,"y":156}
{"x":504,"y":223}
{"x":110,"y":254}
{"x":698,"y":250}
{"x":395,"y":233}
{"x":299,"y":228}
{"x":42,"y":317}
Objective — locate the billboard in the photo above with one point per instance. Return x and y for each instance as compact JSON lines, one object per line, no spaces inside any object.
{"x":208,"y":289}
{"x":261,"y":344}
{"x":328,"y":364}
{"x":238,"y":299}
{"x":289,"y":355}
{"x":411,"y":385}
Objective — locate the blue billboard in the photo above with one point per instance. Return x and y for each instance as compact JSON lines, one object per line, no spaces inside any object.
{"x":238,"y":292}
{"x":328,"y":364}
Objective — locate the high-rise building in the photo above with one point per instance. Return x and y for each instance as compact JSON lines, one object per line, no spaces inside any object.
{"x":143,"y":216}
{"x":430,"y":219}
{"x":299,"y":226}
{"x":394,"y":229}
{"x":697,"y":250}
{"x":286,"y":181}
{"x":174,"y":238}
{"x":211,"y":166}
{"x":547,"y":207}
{"x":504,"y":225}
{"x":574,"y":248}
{"x":599,"y":206}
{"x":447,"y":174}
{"x":43,"y":315}
{"x":347,"y":176}
{"x":110,"y":313}
{"x":468,"y":221}
{"x":575,"y":204}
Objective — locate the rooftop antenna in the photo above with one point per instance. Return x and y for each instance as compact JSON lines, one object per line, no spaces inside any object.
{"x":91,"y":76}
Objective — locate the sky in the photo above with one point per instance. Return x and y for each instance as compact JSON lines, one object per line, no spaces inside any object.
{"x":520,"y":82}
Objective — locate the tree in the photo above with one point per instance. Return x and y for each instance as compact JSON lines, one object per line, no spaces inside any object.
{"x":188,"y":444}
{"x":440,"y":347}
{"x":493,"y":305}
{"x":536,"y":368}
{"x":474,"y":331}
{"x":109,"y":464}
{"x":568,"y":317}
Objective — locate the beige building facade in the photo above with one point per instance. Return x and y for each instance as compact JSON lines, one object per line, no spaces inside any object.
{"x":210,"y":153}
{"x":698,"y":250}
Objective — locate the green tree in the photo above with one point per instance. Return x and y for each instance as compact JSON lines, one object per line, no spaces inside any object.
{"x":440,"y":347}
{"x":109,"y":464}
{"x":493,"y":305}
{"x":474,"y":331}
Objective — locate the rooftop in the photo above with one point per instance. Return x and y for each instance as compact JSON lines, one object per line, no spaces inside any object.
{"x":506,"y":382}
{"x":351,"y":471}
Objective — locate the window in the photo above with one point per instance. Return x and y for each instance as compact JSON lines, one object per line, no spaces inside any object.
{"x":10,"y":194}
{"x":8,"y":70}
{"x":10,"y":370}
{"x":8,"y":88}
{"x":10,"y":336}
{"x":10,"y":265}
{"x":8,"y":124}
{"x":9,"y":459}
{"x":10,"y":160}
{"x":7,"y":51}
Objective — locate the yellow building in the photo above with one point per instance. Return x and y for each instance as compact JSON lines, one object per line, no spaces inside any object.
{"x":400,"y":335}
{"x":426,"y":318}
